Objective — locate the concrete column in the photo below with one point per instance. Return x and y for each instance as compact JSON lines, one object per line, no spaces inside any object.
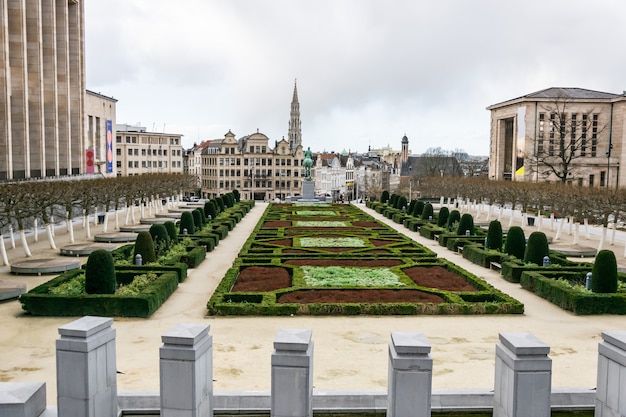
{"x":523,"y":377}
{"x":63,"y":162}
{"x":86,"y":369}
{"x":6,"y":150}
{"x":49,"y":65}
{"x":22,"y":399}
{"x":292,"y":374}
{"x":610,"y":398}
{"x":186,"y":371}
{"x":410,"y":376}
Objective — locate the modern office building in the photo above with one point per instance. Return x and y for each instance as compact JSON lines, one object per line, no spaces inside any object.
{"x":99,"y":134}
{"x":42,"y":89}
{"x":571,"y":135}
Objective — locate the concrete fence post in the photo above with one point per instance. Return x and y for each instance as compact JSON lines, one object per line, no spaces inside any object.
{"x":22,"y":399}
{"x":523,"y":381}
{"x":610,"y":398}
{"x":292,"y":374}
{"x":186,"y":371}
{"x":410,"y":376}
{"x":86,"y":368}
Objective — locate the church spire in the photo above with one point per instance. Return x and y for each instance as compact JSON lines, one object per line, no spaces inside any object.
{"x":295,"y":131}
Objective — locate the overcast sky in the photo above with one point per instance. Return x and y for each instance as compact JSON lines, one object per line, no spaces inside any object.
{"x":368,"y":71}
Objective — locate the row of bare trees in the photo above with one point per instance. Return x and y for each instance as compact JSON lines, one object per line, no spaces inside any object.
{"x":31,"y":204}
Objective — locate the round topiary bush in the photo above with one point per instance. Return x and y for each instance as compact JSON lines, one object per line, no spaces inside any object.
{"x":536,"y":248}
{"x":197,"y":219}
{"x":210,"y":209}
{"x":515,"y":243}
{"x":604,"y":273}
{"x":100,"y":273}
{"x":428,"y":212}
{"x":418,"y":209}
{"x":402,"y":203}
{"x":144,"y":246}
{"x":171,"y":231}
{"x":393,"y":200}
{"x":442,"y":217}
{"x":453,"y":219}
{"x":160,"y":238}
{"x":466,"y":223}
{"x":384,"y":197}
{"x":220,"y":203}
{"x":494,"y":235}
{"x":236,"y":195}
{"x":411,"y":207}
{"x":187,"y":223}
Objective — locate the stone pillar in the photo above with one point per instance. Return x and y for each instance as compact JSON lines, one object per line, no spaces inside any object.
{"x":410,"y":376}
{"x":187,"y":371}
{"x":610,"y":398}
{"x":22,"y":399}
{"x":86,"y":368}
{"x":523,"y":377}
{"x":292,"y":374}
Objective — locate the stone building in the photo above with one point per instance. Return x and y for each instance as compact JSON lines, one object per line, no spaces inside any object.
{"x":579,"y":132}
{"x":138,"y":152}
{"x":99,"y":133}
{"x":42,"y":89}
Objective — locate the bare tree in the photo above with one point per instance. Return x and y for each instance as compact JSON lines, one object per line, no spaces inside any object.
{"x":565,"y":136}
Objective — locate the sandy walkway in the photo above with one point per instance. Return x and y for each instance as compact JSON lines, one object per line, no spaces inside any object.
{"x":350,"y":352}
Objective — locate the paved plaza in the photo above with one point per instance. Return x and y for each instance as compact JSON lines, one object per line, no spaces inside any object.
{"x":350,"y":352}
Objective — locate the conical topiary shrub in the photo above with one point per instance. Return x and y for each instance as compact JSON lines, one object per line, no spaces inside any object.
{"x":494,"y":235}
{"x":144,"y":246}
{"x":160,"y":238}
{"x":393,"y":200}
{"x":411,"y":207}
{"x":466,"y":223}
{"x":384,"y":197}
{"x":171,"y":231}
{"x":536,"y":248}
{"x":210,"y":209}
{"x":220,"y":203}
{"x":402,"y":203}
{"x":197,"y":219}
{"x":186,"y":223}
{"x":100,"y":273}
{"x":427,"y":212}
{"x":604,"y":273}
{"x":418,"y":209}
{"x":515,"y":243}
{"x":453,"y":219}
{"x":237,"y":196}
{"x":442,"y":217}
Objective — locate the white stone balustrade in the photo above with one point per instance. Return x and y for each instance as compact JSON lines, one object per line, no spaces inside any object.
{"x":611,"y":388}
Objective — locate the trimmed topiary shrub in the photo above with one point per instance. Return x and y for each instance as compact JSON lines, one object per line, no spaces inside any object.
{"x":604,"y":273}
{"x":466,"y":223}
{"x":171,"y":231}
{"x":442,"y":218}
{"x":393,"y":200}
{"x":411,"y":207}
{"x":384,"y":197}
{"x":210,"y":209}
{"x":220,"y":203}
{"x":515,"y":243}
{"x":100,"y":273}
{"x":402,"y":203}
{"x":418,"y":209}
{"x":144,"y":245}
{"x":160,"y":238}
{"x":236,"y":195}
{"x":197,"y":219}
{"x":187,"y":223}
{"x":494,"y":235}
{"x":536,"y":248}
{"x":428,"y":212}
{"x":453,"y":220}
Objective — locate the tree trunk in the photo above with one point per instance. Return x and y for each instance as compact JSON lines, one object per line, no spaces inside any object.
{"x":3,"y":251}
{"x":511,"y":218}
{"x":602,"y":239}
{"x":88,"y":225}
{"x":35,"y":231}
{"x":552,"y":221}
{"x":25,"y":243}
{"x":587,"y":234}
{"x":106,"y":222}
{"x":70,"y":228}
{"x":559,"y":229}
{"x":50,"y":233}
{"x":539,"y":222}
{"x":117,"y":220}
{"x":128,"y":208}
{"x":614,"y":227}
{"x":12,"y":237}
{"x":576,"y":233}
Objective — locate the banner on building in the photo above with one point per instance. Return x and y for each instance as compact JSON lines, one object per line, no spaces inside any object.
{"x":109,"y":146}
{"x":89,"y":161}
{"x":521,"y":139}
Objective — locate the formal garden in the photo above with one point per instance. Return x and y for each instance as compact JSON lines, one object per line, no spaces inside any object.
{"x":134,"y":280}
{"x":324,"y":259}
{"x":580,"y":287}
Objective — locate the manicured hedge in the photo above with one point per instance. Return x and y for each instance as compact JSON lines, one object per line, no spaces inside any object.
{"x":194,"y":257}
{"x":40,"y":303}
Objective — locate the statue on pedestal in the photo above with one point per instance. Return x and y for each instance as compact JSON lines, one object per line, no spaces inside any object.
{"x":307,"y":163}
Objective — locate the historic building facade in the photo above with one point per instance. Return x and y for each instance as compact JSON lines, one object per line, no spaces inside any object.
{"x":42,"y":89}
{"x":100,"y":132}
{"x":138,"y":152}
{"x":572,"y":135}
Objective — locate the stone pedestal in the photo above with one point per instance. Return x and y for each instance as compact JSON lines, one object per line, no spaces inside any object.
{"x":610,"y":398}
{"x":187,"y":371}
{"x":308,"y":190}
{"x":86,"y":369}
{"x":292,"y":374}
{"x":523,"y":380}
{"x":410,"y":376}
{"x":22,"y":399}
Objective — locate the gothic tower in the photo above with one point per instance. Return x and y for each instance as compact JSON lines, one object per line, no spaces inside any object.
{"x":295,"y":131}
{"x":405,"y":149}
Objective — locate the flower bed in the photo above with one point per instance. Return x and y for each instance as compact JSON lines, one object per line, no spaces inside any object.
{"x":298,"y":266}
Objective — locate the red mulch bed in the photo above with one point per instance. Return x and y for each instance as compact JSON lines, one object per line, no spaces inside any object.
{"x":367,"y":224}
{"x":281,"y":242}
{"x":377,"y":242}
{"x":276,"y":223}
{"x":438,"y":277}
{"x":344,"y":262}
{"x":359,"y":296}
{"x":295,"y":251}
{"x":262,"y":278}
